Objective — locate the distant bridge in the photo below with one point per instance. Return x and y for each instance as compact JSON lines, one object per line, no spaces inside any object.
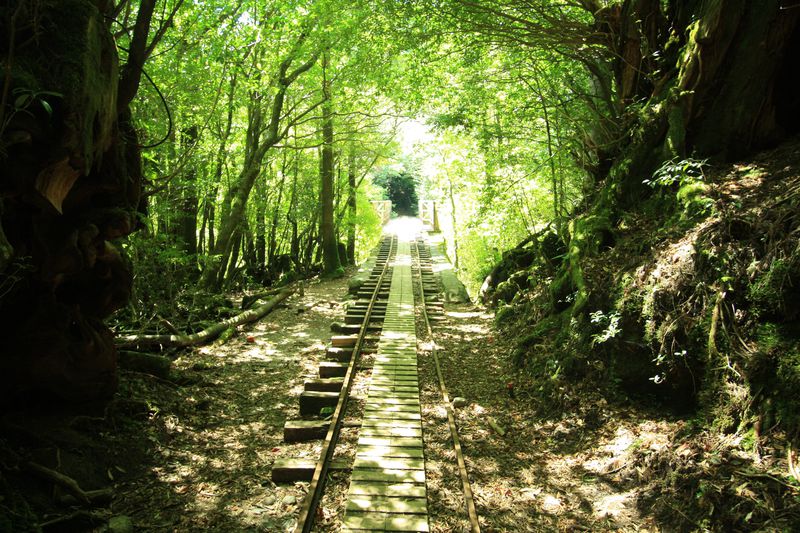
{"x":427,"y":212}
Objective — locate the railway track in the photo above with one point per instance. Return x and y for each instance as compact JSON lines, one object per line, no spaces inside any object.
{"x":387,"y":489}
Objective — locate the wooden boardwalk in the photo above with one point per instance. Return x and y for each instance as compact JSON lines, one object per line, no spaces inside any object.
{"x":387,"y":487}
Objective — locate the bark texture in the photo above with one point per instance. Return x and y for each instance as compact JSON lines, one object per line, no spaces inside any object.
{"x":70,"y":176}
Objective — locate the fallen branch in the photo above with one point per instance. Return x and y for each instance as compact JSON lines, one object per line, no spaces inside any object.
{"x":793,"y":470}
{"x":94,"y":517}
{"x":63,"y":481}
{"x":495,"y":426}
{"x":167,"y":324}
{"x":208,"y":334}
{"x":249,"y":300}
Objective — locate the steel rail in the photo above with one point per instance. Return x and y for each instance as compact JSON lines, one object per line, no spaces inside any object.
{"x":462,"y":467}
{"x":305,"y":520}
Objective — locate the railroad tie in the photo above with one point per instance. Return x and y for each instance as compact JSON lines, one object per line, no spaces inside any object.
{"x":387,"y":488}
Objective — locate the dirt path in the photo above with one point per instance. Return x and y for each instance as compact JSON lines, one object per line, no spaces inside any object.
{"x":544,"y":474}
{"x":193,"y":454}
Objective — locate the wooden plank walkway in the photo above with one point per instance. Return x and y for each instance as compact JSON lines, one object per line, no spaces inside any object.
{"x":387,"y":487}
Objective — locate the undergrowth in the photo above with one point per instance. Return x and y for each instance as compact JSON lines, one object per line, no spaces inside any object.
{"x":685,"y":302}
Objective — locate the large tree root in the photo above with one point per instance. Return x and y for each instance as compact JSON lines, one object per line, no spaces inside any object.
{"x":67,"y":483}
{"x":208,"y":334}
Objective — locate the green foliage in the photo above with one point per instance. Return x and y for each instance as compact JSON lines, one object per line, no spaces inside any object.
{"x":400,"y":186}
{"x":688,"y":175}
{"x":338,"y":273}
{"x":526,"y":354}
{"x":692,"y":197}
{"x":773,"y":293}
{"x":680,"y":171}
{"x":506,"y":315}
{"x":478,"y":257}
{"x":162,"y":270}
{"x":368,"y":226}
{"x":13,"y":274}
{"x":775,"y":369}
{"x":609,"y":325}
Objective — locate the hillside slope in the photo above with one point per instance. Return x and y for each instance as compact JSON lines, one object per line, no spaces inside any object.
{"x":689,"y":296}
{"x":690,"y":308}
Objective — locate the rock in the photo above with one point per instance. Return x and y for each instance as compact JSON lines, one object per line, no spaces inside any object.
{"x":270,"y":500}
{"x":458,"y":401}
{"x":289,"y":499}
{"x":120,"y":524}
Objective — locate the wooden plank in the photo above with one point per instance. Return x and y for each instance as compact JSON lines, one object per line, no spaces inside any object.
{"x":405,"y":380}
{"x":343,"y":340}
{"x":396,"y":416}
{"x":339,"y":354}
{"x":409,"y":490}
{"x":384,"y":432}
{"x":304,"y":430}
{"x":392,"y":408}
{"x":386,"y":475}
{"x":377,"y":400}
{"x":387,"y":390}
{"x":389,"y":452}
{"x":311,"y":402}
{"x":324,"y":384}
{"x":390,"y":463}
{"x":290,"y":469}
{"x":331,"y":369}
{"x":367,"y":503}
{"x":388,"y":424}
{"x":384,"y":522}
{"x":389,"y":441}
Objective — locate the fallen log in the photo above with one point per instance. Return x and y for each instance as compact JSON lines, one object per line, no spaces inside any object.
{"x":206,"y":335}
{"x":249,"y":300}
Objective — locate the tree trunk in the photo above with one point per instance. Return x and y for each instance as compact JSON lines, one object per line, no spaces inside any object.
{"x":65,"y":198}
{"x":273,"y":228}
{"x":209,"y":213}
{"x":260,"y":138}
{"x":351,"y":207}
{"x":733,"y":69}
{"x":212,"y":212}
{"x":330,"y":248}
{"x":189,"y":202}
{"x":454,"y":221}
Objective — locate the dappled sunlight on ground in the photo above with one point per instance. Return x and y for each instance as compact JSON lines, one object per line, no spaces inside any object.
{"x":543,"y":474}
{"x":212,"y":459}
{"x":406,"y":228}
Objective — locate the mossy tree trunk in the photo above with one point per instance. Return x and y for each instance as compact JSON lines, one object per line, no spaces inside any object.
{"x":714,"y":89}
{"x":70,"y":179}
{"x":189,"y":201}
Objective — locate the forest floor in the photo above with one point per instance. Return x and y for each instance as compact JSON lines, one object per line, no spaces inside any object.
{"x":194,"y":452}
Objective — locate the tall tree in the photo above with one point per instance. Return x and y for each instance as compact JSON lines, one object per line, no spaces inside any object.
{"x":262,"y":134}
{"x":71,"y":181}
{"x":330,"y":248}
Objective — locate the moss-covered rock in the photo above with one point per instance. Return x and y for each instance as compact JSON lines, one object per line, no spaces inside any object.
{"x":774,"y":293}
